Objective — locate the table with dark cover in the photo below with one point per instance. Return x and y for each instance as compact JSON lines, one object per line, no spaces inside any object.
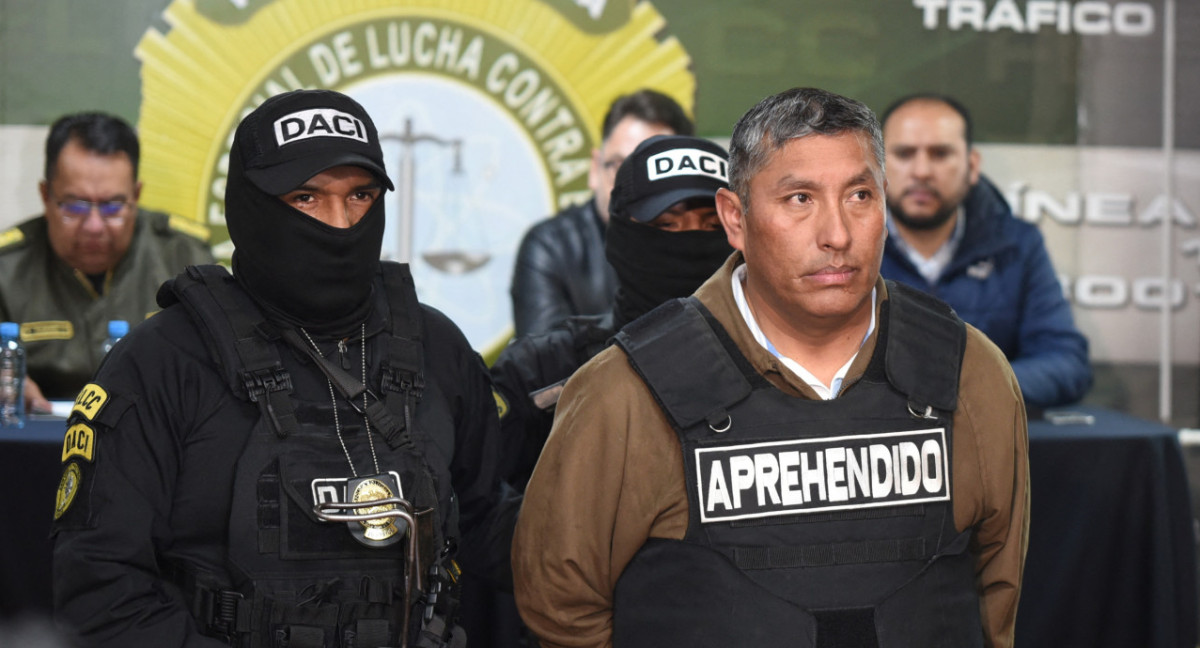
{"x":1112,"y":547}
{"x":1112,"y":550}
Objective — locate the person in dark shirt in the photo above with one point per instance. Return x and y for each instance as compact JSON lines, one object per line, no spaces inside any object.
{"x":298,"y":454}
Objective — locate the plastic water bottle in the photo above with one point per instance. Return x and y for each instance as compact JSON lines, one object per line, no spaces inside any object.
{"x":116,"y":330}
{"x":12,"y":376}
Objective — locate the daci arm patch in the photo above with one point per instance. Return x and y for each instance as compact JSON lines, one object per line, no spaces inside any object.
{"x":94,"y":409}
{"x":779,"y":478}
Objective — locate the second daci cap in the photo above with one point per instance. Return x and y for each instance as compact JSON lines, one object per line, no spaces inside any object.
{"x":664,"y":170}
{"x":294,"y":136}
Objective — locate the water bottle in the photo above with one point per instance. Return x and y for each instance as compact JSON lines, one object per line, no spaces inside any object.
{"x":116,"y":330}
{"x":12,"y":376}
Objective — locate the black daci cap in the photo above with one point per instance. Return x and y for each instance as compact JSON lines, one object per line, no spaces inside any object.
{"x":294,"y":136}
{"x":664,"y":170}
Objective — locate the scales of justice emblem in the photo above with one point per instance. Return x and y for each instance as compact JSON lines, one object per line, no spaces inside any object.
{"x":465,"y":249}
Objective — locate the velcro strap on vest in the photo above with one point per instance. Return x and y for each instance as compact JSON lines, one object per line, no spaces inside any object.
{"x":372,"y":632}
{"x":676,"y":352}
{"x":874,"y":513}
{"x":376,"y":590}
{"x":402,"y":381}
{"x":826,"y":555}
{"x":847,"y":628}
{"x":238,"y":339}
{"x":299,"y":636}
{"x":921,"y":329}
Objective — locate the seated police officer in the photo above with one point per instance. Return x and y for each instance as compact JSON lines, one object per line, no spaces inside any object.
{"x":92,"y":256}
{"x":664,"y":239}
{"x":800,"y":454}
{"x":290,"y":455}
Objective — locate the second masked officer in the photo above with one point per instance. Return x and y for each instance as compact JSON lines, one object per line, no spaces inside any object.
{"x":204,"y":466}
{"x":664,"y":240}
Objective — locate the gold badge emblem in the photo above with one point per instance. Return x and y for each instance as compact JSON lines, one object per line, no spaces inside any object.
{"x":370,"y":490}
{"x":68,"y":486}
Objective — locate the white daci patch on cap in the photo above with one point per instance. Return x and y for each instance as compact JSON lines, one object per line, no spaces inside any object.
{"x":318,"y":122}
{"x":686,"y":161}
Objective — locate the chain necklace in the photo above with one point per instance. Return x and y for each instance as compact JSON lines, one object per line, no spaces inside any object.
{"x":337,"y":425}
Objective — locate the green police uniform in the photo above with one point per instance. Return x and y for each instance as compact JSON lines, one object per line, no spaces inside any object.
{"x":64,"y":322}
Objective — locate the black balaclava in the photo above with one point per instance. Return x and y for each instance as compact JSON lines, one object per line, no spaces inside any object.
{"x":655,"y":265}
{"x":302,"y":271}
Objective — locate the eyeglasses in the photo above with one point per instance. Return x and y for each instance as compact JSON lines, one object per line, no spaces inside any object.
{"x":610,"y":166}
{"x":112,"y":211}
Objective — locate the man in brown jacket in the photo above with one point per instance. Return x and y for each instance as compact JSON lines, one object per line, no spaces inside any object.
{"x":801,"y":454}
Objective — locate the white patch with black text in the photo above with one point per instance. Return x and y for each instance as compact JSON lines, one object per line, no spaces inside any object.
{"x":686,"y":161}
{"x":318,"y":122}
{"x":326,"y":490}
{"x":778,"y":478}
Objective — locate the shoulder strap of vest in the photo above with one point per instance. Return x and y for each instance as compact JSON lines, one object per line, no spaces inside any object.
{"x":238,"y":338}
{"x":925,"y":345}
{"x":403,"y":381}
{"x":681,"y":359}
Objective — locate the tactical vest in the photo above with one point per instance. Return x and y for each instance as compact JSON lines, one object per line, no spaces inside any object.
{"x":811,"y":523}
{"x":295,"y":580}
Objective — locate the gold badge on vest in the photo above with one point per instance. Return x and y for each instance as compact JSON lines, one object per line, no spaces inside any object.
{"x":378,"y":493}
{"x":371,"y":489}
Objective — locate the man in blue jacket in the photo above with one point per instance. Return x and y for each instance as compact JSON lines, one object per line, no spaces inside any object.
{"x":952,"y":234}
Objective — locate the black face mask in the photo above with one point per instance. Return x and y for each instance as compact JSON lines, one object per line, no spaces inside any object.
{"x":654,"y":265}
{"x":302,"y":271}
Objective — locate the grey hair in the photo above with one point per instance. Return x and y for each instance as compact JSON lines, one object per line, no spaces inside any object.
{"x":789,"y":115}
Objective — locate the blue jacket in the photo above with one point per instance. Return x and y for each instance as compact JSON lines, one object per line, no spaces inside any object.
{"x":1001,"y":281}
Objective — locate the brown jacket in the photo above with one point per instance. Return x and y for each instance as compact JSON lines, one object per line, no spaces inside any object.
{"x":611,"y":476}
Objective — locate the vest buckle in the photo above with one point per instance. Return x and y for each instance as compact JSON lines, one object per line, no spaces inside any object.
{"x":264,"y":381}
{"x":227,"y":616}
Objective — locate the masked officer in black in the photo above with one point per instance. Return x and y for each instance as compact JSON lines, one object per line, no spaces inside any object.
{"x":205,"y":465}
{"x":664,"y":239}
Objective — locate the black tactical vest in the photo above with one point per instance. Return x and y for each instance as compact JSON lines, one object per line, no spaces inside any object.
{"x":294,"y":580}
{"x":811,"y":523}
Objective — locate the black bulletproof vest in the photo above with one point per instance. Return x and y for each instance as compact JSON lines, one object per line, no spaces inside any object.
{"x":295,"y":580}
{"x":811,"y":523}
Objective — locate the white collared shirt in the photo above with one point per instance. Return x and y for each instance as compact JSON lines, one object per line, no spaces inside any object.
{"x":932,"y":267}
{"x":826,"y":392}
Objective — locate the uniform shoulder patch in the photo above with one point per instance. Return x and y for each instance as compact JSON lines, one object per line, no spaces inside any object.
{"x":79,"y":441}
{"x":11,"y":237}
{"x":188,"y":227}
{"x":47,"y":330}
{"x":68,"y":488}
{"x":90,"y":401}
{"x":501,"y":404}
